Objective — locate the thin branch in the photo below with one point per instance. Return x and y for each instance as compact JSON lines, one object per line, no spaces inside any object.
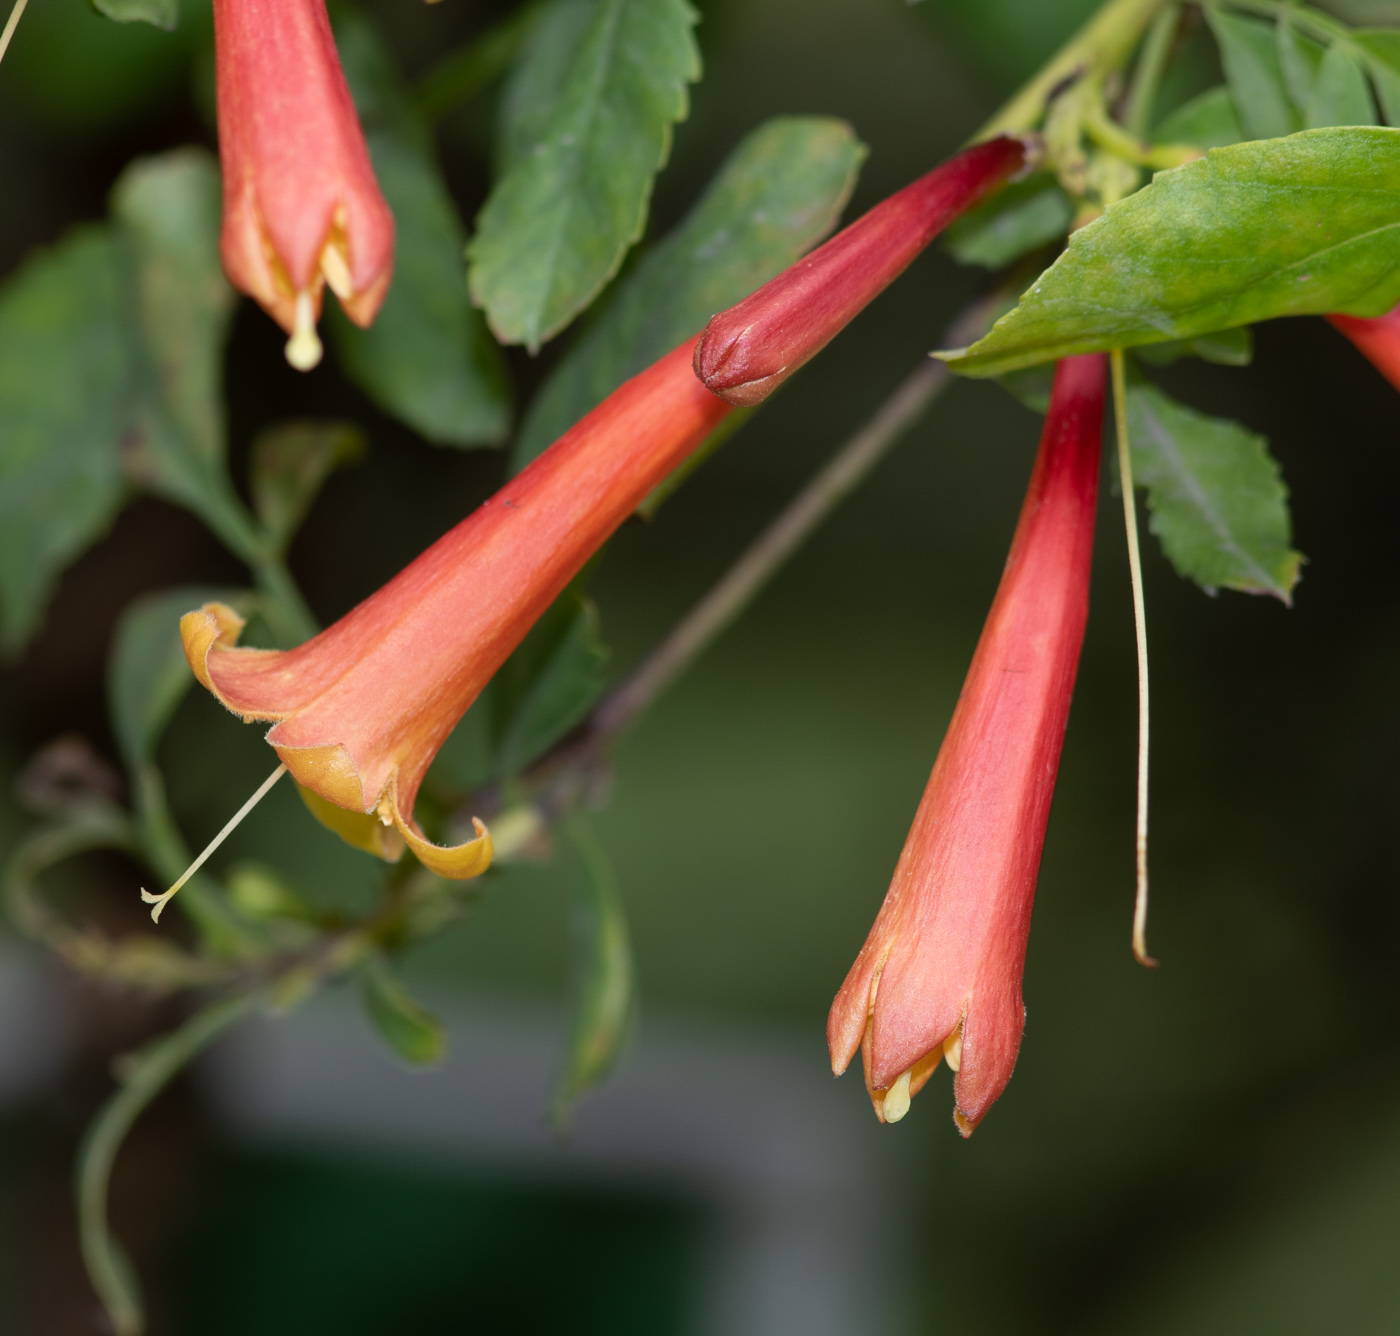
{"x":10,"y":25}
{"x":1125,"y":469}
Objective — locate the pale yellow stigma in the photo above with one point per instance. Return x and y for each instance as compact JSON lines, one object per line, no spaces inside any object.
{"x":897,"y":1098}
{"x":158,"y":902}
{"x":304,"y":347}
{"x":337,"y":272}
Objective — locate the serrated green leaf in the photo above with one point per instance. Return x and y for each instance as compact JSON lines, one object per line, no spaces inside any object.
{"x":1383,"y":46}
{"x":1249,"y":52}
{"x":1300,"y":59}
{"x":604,"y":984}
{"x":67,"y":368}
{"x":290,"y":463}
{"x":1217,"y":502}
{"x":147,"y":675}
{"x":548,"y":684}
{"x":1206,"y":121}
{"x":776,"y":195}
{"x":1225,"y":347}
{"x":414,"y":1034}
{"x":427,"y":359}
{"x":1298,"y":226}
{"x":1012,"y":223}
{"x":159,"y":13}
{"x":1341,"y":95}
{"x":606,"y":80}
{"x":169,"y":207}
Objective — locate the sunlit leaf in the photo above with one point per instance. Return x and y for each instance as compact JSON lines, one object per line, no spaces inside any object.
{"x":290,"y":463}
{"x":587,"y":123}
{"x":427,"y":359}
{"x":1207,"y":121}
{"x":776,"y":195}
{"x":161,"y":13}
{"x":1297,"y":226}
{"x":67,"y":368}
{"x":604,"y":985}
{"x":548,"y":684}
{"x":414,"y":1034}
{"x":1217,"y":502}
{"x":1012,"y":223}
{"x":147,"y":675}
{"x":1249,"y":51}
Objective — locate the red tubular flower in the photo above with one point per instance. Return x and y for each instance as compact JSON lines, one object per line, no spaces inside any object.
{"x":747,"y":351}
{"x":302,"y":207}
{"x":362,"y":708}
{"x":940,"y":973}
{"x":1378,"y":340}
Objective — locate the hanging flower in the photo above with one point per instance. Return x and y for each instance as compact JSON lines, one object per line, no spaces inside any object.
{"x":302,"y":207}
{"x":361,"y":709}
{"x":1378,"y":340}
{"x":749,"y":350}
{"x":940,"y":973}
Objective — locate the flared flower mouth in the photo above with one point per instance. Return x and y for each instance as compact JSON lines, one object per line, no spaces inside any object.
{"x":372,"y":792}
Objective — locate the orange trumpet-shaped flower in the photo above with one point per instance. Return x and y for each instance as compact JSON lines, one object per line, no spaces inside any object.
{"x":747,"y":351}
{"x":302,"y":207}
{"x":940,"y":973}
{"x":361,"y":709}
{"x":1378,"y":340}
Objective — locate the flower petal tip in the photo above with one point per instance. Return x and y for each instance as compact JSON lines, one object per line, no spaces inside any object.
{"x":213,"y":624}
{"x":458,"y":862}
{"x":361,"y":830}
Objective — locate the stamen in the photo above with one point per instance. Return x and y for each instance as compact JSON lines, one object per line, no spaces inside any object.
{"x":337,"y":271}
{"x":897,"y":1099}
{"x":952,"y":1050}
{"x":304,"y":347}
{"x":1125,"y":469}
{"x":160,"y":901}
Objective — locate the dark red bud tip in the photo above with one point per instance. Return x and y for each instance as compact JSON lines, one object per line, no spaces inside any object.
{"x":747,"y":351}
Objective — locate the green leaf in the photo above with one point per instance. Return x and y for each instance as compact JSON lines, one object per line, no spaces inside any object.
{"x":147,"y":675}
{"x":160,"y":13}
{"x":1341,"y":95}
{"x":169,"y":207}
{"x":776,"y":195}
{"x":261,"y":893}
{"x":548,"y":684}
{"x":290,"y":463}
{"x":604,"y":987}
{"x":427,"y":359}
{"x":1249,"y":52}
{"x":1300,"y":59}
{"x":66,"y":380}
{"x":1218,"y":503}
{"x":1225,"y":347}
{"x":1298,"y":226}
{"x":1207,"y":121}
{"x":588,"y":119}
{"x":414,"y":1034}
{"x":1012,"y":223}
{"x":1383,"y":46}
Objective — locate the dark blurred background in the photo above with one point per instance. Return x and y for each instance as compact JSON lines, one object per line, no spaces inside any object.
{"x":1211,"y":1147}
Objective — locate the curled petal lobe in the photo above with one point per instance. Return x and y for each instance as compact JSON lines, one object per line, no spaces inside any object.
{"x":940,"y":973}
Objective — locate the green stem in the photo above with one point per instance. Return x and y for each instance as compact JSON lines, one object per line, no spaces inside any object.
{"x":1152,"y":62}
{"x":1097,"y":49}
{"x":107,"y":1266}
{"x":291,"y":620}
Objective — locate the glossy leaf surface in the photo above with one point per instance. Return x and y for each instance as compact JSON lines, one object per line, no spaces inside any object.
{"x":1217,"y":502}
{"x":587,"y":124}
{"x":427,"y":359}
{"x":777,"y":194}
{"x":1297,"y":226}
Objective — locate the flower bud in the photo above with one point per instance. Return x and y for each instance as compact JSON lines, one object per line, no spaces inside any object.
{"x":302,"y":207}
{"x":940,"y":974}
{"x":747,"y":351}
{"x":1377,"y":340}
